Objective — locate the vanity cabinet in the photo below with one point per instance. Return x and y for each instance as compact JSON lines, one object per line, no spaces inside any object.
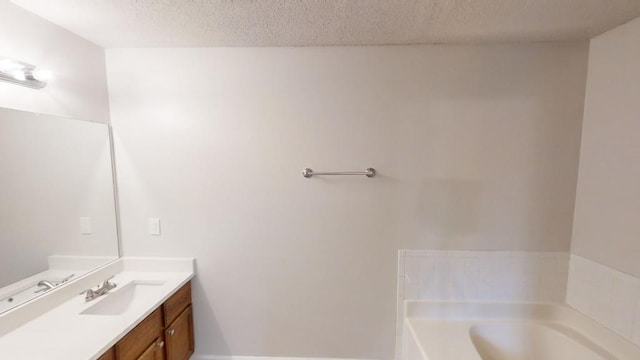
{"x":155,"y":351}
{"x":179,"y":336}
{"x":166,"y":334}
{"x":109,"y":355}
{"x":138,"y":340}
{"x":178,"y":333}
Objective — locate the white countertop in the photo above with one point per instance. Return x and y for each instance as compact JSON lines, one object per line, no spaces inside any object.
{"x":64,"y":333}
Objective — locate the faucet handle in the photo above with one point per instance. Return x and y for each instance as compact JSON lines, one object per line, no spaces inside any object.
{"x":90,"y":294}
{"x":108,"y":284}
{"x":67,"y":278}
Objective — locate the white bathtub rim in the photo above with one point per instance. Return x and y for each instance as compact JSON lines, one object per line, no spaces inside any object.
{"x":474,"y":312}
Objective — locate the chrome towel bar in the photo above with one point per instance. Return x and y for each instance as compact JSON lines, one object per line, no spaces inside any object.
{"x":369,"y":172}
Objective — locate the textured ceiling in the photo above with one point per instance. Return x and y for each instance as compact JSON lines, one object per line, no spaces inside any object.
{"x":196,"y":23}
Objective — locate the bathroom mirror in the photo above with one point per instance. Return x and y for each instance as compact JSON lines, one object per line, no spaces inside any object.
{"x":57,"y":204}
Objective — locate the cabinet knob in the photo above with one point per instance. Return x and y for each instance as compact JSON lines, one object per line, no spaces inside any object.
{"x":160,"y":344}
{"x":171,"y":332}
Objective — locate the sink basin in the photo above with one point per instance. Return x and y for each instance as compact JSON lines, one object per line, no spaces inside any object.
{"x":118,"y":301}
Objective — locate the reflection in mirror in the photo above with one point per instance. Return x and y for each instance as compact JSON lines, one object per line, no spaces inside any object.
{"x":57,"y":212}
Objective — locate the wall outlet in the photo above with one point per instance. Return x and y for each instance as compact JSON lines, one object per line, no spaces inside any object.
{"x":85,"y":225}
{"x":154,"y":226}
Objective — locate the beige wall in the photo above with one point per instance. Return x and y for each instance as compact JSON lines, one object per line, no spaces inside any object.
{"x":476,"y":146}
{"x":607,"y":215}
{"x":78,"y":89}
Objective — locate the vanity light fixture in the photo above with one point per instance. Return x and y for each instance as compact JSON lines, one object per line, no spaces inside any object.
{"x":18,"y":72}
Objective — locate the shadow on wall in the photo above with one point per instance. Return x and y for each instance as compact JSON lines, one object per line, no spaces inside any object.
{"x":449,"y":208}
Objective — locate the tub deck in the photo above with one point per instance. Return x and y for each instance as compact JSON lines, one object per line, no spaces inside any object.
{"x":514,"y":331}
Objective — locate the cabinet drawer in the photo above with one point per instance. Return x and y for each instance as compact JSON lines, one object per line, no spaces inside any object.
{"x":177,"y":303}
{"x":139,"y":339}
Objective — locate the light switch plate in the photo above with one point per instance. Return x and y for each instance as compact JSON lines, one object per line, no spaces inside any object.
{"x":154,"y":226}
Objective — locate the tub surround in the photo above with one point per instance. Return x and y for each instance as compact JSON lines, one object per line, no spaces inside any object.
{"x":609,"y":296}
{"x":489,"y":276}
{"x":562,"y":292}
{"x":446,"y":331}
{"x":56,"y":323}
{"x":482,"y":275}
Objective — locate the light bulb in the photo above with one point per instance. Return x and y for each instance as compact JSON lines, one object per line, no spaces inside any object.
{"x":9,"y":66}
{"x":18,"y":75}
{"x":41,"y":74}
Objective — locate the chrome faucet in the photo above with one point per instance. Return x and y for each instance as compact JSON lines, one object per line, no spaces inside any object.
{"x":101,"y":290}
{"x":46,"y":285}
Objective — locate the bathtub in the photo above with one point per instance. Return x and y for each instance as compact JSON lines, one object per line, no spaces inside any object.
{"x":494,"y":331}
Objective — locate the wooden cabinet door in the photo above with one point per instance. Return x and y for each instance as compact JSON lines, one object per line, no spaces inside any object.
{"x":154,"y":352}
{"x":109,"y":355}
{"x":179,"y":336}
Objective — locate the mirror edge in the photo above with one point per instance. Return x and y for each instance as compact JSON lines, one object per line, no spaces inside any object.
{"x":116,"y":200}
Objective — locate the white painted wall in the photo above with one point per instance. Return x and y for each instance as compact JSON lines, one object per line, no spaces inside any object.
{"x":79,"y":86}
{"x":607,"y":214}
{"x":53,"y":171}
{"x":476,"y":146}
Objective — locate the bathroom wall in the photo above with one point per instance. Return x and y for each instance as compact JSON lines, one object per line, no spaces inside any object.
{"x":476,"y":147}
{"x":607,"y":215}
{"x":78,"y":88}
{"x":604,"y":276}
